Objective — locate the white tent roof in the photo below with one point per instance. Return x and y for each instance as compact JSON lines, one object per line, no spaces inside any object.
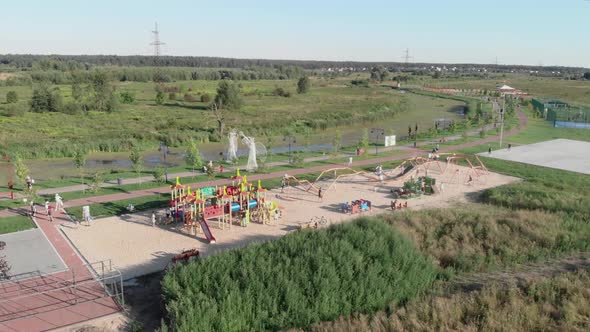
{"x":505,"y":87}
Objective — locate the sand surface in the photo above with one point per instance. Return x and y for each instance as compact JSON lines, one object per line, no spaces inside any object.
{"x":137,"y":248}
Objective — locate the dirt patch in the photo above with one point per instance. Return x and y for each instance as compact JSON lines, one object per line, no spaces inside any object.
{"x":5,"y":76}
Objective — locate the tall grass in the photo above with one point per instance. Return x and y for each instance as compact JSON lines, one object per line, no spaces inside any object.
{"x":560,"y":303}
{"x":297,"y":280}
{"x":544,"y":189}
{"x":478,"y":237}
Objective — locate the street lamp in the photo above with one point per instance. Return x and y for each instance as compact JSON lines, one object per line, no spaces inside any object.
{"x":377,"y":133}
{"x":291,"y":140}
{"x":164,"y":149}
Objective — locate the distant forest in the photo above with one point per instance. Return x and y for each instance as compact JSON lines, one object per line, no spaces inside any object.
{"x":28,"y":61}
{"x":68,"y":69}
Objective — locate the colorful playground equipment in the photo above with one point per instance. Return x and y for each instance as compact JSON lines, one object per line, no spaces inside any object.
{"x":239,"y":203}
{"x":356,"y":206}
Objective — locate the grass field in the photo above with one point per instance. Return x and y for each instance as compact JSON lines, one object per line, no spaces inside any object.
{"x":330,"y":104}
{"x":15,"y":224}
{"x":477,"y":237}
{"x":576,"y":92}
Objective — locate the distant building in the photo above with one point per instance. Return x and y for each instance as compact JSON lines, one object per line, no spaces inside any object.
{"x":506,"y":90}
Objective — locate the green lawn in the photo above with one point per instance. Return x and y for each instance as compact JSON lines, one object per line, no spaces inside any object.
{"x":15,"y":224}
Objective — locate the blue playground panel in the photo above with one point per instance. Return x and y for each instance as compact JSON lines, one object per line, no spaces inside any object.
{"x":236,"y":206}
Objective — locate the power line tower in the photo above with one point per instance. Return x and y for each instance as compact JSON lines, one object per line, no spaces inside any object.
{"x":156,"y":43}
{"x":407,"y":57}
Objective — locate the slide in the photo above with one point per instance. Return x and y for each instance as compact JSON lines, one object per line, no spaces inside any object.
{"x":402,"y":176}
{"x":207,"y":231}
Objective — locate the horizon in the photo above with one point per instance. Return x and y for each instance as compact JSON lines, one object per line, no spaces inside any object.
{"x":300,"y":60}
{"x":457,"y":32}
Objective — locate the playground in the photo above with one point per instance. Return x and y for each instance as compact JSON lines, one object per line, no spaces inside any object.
{"x":565,"y":154}
{"x":200,"y":219}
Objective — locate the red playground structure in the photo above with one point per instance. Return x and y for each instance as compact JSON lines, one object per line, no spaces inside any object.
{"x":239,"y":203}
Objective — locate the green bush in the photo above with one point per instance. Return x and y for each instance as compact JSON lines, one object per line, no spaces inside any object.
{"x":302,"y":278}
{"x":280,"y":92}
{"x":11,"y":97}
{"x":126,"y":97}
{"x":205,"y":98}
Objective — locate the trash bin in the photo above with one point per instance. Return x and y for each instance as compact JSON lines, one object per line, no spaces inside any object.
{"x":119,"y":181}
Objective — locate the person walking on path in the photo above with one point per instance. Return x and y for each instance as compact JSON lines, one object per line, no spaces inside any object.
{"x":50,"y":213}
{"x":59,"y":203}
{"x":220,"y":168}
{"x":46,"y":207}
{"x":490,"y":150}
{"x":11,"y":188}
{"x":33,"y":209}
{"x":509,"y":146}
{"x":349,"y":161}
{"x":320,"y":195}
{"x":153,"y":219}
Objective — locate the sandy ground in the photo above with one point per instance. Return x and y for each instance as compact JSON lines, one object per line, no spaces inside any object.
{"x":137,"y":248}
{"x":566,"y":154}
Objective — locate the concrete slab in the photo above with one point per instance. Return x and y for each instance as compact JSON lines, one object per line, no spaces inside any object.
{"x":29,"y":252}
{"x":560,"y":153}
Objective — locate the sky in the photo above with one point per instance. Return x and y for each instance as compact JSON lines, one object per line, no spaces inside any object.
{"x":528,"y":32}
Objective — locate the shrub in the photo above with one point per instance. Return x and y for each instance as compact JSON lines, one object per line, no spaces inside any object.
{"x":303,"y":85}
{"x":172,"y":96}
{"x":361,"y":83}
{"x":158,"y":174}
{"x":11,"y":97}
{"x":302,"y":278}
{"x":14,"y":110}
{"x":159,"y":98}
{"x":281,"y":92}
{"x":189,"y":97}
{"x":205,"y":98}
{"x":126,"y":97}
{"x":72,"y":108}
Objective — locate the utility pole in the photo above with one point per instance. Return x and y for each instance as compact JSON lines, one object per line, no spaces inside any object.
{"x":502,"y":111}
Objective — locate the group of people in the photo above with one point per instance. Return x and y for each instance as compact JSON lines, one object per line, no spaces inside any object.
{"x":398,"y":206}
{"x":49,"y":209}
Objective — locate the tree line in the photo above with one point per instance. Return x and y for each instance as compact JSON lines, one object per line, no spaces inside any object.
{"x":29,"y":60}
{"x":71,"y":74}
